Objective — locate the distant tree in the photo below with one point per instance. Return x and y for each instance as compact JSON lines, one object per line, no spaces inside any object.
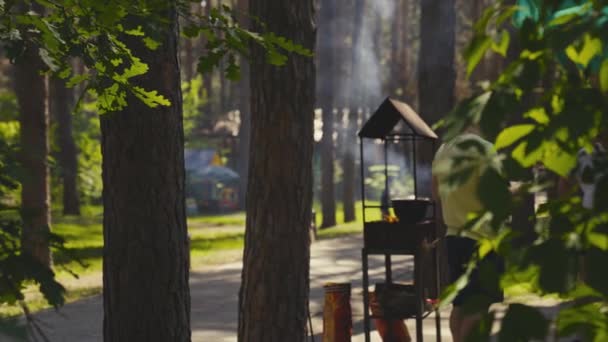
{"x":207,"y":76}
{"x":273,"y":300}
{"x":31,"y":91}
{"x":61,"y":105}
{"x":187,"y":56}
{"x":436,"y":74}
{"x":326,"y":76}
{"x":145,"y":264}
{"x":348,"y":161}
{"x":436,"y":81}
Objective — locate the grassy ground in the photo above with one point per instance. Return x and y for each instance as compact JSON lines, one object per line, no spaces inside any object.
{"x":214,"y":239}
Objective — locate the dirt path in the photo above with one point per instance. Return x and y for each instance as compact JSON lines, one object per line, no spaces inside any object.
{"x":214,"y":295}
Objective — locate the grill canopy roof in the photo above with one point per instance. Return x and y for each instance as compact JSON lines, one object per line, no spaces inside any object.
{"x":388,"y":115}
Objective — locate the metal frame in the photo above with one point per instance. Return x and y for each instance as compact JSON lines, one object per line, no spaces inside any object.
{"x":394,"y":138}
{"x":418,"y":278}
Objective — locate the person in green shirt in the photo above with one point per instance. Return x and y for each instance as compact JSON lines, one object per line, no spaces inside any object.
{"x":466,"y":154}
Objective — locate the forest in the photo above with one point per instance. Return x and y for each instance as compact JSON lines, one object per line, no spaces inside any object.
{"x":143,"y":143}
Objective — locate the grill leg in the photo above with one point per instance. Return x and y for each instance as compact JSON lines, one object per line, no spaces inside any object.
{"x":387,"y":268}
{"x":419,"y":288}
{"x":438,"y":325}
{"x":365,"y":296}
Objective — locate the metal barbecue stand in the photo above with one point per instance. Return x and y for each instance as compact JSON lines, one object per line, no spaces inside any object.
{"x":384,"y":238}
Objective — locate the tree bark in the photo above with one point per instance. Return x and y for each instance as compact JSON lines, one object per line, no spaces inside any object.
{"x":31,"y":92}
{"x":436,"y":74}
{"x":61,"y":103}
{"x":245,"y":112}
{"x":188,"y":60}
{"x":397,"y":43}
{"x":274,"y":291}
{"x":207,"y":77}
{"x":326,"y":94}
{"x":145,"y":265}
{"x":436,"y":81}
{"x":348,"y":161}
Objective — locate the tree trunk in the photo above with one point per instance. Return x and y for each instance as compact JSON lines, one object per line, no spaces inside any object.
{"x":61,"y":103}
{"x":326,"y":93}
{"x":274,"y":291}
{"x":348,"y":169}
{"x":397,"y":46}
{"x":145,"y":265}
{"x":31,"y":92}
{"x":436,"y":81}
{"x":188,"y":60}
{"x":348,"y":161}
{"x":207,"y":77}
{"x":403,"y":76}
{"x":436,"y":74}
{"x":223,"y":90}
{"x":245,"y":112}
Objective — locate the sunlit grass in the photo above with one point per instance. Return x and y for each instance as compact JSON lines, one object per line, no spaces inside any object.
{"x":231,"y":219}
{"x":214,"y":239}
{"x":371,"y":214}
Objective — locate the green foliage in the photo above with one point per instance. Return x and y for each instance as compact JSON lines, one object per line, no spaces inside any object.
{"x":523,"y":323}
{"x":225,"y":39}
{"x":194,"y":98}
{"x":19,"y":269}
{"x":401,"y":183}
{"x":97,"y":34}
{"x":549,"y":102}
{"x":87,"y":137}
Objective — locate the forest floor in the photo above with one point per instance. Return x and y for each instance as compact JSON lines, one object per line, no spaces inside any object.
{"x":214,"y":297}
{"x":214,"y":240}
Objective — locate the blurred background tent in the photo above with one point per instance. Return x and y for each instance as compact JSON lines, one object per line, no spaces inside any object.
{"x":210,"y":186}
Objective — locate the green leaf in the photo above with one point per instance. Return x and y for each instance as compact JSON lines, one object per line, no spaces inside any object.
{"x":568,"y":14}
{"x":136,"y":68}
{"x":494,"y":194}
{"x":136,"y":32}
{"x":526,"y":155}
{"x":191,"y":31}
{"x":600,"y":199}
{"x":538,"y":114}
{"x":512,"y":134}
{"x":233,"y":71}
{"x":596,"y":261}
{"x":556,"y":263}
{"x":591,"y":47}
{"x":558,"y":160}
{"x":476,"y":51}
{"x":526,"y":9}
{"x":502,"y":46}
{"x":151,"y":97}
{"x":210,"y":61}
{"x":77,"y":79}
{"x":286,"y":44}
{"x":523,"y":323}
{"x":275,"y":58}
{"x":604,"y":76}
{"x":48,"y":60}
{"x":589,"y":320}
{"x":151,"y":43}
